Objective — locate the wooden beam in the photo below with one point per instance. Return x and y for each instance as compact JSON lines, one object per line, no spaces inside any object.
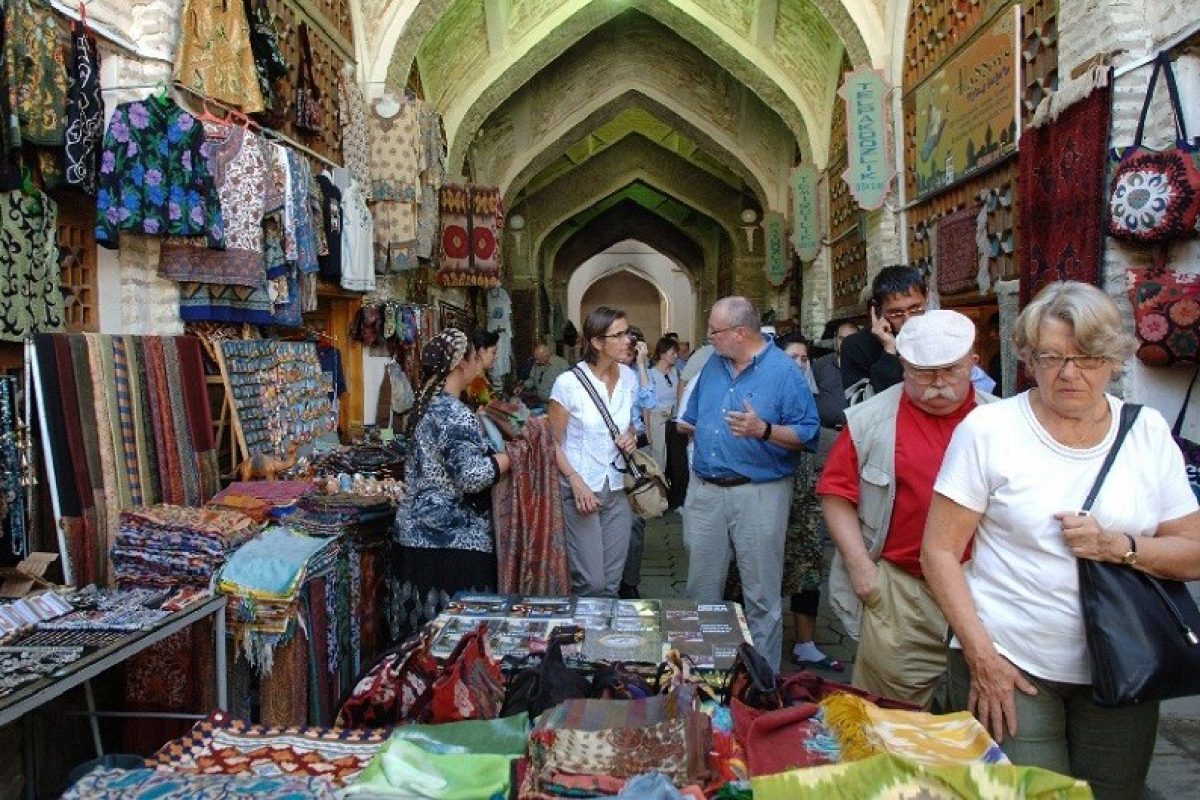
{"x":496,"y":15}
{"x":762,"y":29}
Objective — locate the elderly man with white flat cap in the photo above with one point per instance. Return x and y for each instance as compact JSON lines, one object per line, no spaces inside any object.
{"x":875,"y":491}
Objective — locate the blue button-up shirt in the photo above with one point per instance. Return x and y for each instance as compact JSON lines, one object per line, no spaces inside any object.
{"x":777,"y":391}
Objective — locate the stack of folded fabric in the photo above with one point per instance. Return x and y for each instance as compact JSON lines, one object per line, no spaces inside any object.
{"x":260,"y":499}
{"x":263,"y":580}
{"x":338,"y":514}
{"x":172,"y":546}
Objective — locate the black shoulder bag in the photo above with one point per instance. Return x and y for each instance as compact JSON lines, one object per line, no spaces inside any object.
{"x":1140,"y":629}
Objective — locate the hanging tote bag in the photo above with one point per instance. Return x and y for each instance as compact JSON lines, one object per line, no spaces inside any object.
{"x":1191,"y":450}
{"x":1154,"y":195}
{"x":1166,"y":314}
{"x":309,"y":116}
{"x":644,"y":480}
{"x":1141,"y":630}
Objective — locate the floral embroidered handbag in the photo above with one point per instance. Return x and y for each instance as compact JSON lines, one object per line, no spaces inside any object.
{"x":1154,"y":195}
{"x":309,"y":116}
{"x":1166,"y":314}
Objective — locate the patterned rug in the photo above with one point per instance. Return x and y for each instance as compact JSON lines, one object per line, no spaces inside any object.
{"x":957,"y":251}
{"x":1063,"y":166}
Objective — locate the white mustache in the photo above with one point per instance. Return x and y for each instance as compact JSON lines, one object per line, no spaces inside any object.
{"x":933,"y":393}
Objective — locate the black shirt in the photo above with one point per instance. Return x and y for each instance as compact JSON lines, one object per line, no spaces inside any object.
{"x":863,"y":356}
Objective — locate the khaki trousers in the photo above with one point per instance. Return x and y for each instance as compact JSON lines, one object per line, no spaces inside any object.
{"x":902,"y":644}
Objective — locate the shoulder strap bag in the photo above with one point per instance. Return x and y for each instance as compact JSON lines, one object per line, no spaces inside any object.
{"x":1140,"y":629}
{"x":1190,"y":449}
{"x":644,"y":480}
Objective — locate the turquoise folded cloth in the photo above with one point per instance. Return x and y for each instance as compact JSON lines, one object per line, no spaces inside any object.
{"x":271,"y":564}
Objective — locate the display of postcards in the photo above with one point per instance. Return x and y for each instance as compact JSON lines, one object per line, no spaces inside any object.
{"x":480,"y":605}
{"x":636,"y":624}
{"x":591,"y":623}
{"x":543,"y":607}
{"x":724,"y":656}
{"x":622,"y":646}
{"x":674,"y":617}
{"x":24,"y":665}
{"x":637,"y":608}
{"x":685,"y":636}
{"x":594,"y":607}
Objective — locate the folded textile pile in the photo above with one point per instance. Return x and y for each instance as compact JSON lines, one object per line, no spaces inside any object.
{"x":456,"y":759}
{"x":221,"y":745}
{"x":277,"y":494}
{"x":170,"y":546}
{"x":151,"y":784}
{"x":99,"y":609}
{"x":887,"y":775}
{"x":337,"y":514}
{"x":588,"y":747}
{"x":863,"y":729}
{"x":263,"y":580}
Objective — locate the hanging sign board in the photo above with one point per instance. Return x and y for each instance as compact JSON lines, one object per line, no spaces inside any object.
{"x":806,"y":238}
{"x":869,"y":168}
{"x":778,"y":258}
{"x":966,"y":111}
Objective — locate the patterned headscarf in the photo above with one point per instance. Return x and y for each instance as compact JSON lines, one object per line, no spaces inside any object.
{"x":439,"y":357}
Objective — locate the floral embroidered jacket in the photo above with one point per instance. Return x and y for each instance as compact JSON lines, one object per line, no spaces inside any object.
{"x":154,"y":175}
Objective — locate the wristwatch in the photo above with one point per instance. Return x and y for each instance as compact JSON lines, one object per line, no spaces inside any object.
{"x":766,"y":434}
{"x":1130,"y":558}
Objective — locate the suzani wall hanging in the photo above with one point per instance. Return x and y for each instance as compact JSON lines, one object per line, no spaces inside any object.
{"x":472,"y":217}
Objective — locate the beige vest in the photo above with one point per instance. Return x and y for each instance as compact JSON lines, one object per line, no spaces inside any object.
{"x":872,"y":427}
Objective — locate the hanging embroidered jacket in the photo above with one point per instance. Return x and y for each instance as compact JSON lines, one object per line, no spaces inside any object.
{"x":10,"y":130}
{"x":154,"y":175}
{"x":31,"y":295}
{"x":268,"y":58}
{"x":85,"y":112}
{"x":35,"y":63}
{"x":214,"y":56}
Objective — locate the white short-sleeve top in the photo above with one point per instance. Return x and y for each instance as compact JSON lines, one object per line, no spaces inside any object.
{"x":587,"y":442}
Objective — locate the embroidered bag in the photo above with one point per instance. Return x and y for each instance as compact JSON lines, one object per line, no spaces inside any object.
{"x":540,"y":687}
{"x":1154,"y":195}
{"x":398,"y":688}
{"x":1191,"y":450}
{"x":471,"y":685}
{"x":309,"y":116}
{"x":1166,"y":314}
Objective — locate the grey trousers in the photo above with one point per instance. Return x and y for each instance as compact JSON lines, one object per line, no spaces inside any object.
{"x":1061,"y":729}
{"x":597,"y":543}
{"x":632,"y":574}
{"x":751,"y":521}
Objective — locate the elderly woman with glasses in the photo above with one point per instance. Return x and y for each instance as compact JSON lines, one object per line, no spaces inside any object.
{"x":596,"y":512}
{"x":1013,"y":479}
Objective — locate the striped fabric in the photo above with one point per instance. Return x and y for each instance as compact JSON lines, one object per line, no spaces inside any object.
{"x":125,"y":411}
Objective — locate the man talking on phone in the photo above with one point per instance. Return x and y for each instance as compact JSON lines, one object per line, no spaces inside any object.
{"x":869,"y":360}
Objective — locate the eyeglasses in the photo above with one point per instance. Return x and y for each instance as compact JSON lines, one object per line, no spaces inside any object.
{"x":1053,"y":362}
{"x":904,"y":313}
{"x":925,"y":377}
{"x":618,"y":335}
{"x":723,"y":330}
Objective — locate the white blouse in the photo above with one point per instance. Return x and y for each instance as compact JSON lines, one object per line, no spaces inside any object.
{"x":587,"y":442}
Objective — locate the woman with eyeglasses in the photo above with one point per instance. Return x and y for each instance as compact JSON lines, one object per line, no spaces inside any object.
{"x":596,"y":511}
{"x":1013,"y":479}
{"x":664,"y":378}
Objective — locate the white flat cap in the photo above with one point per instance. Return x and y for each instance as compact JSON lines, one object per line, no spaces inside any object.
{"x":935,"y":339}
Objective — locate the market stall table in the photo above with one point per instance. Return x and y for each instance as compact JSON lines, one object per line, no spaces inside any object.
{"x":27,"y":699}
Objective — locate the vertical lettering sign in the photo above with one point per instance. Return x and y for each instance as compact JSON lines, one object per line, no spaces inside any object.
{"x":869,"y":167}
{"x":775,"y":235}
{"x":806,"y":238}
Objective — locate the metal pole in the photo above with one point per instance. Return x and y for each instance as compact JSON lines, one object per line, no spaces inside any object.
{"x":51,"y":474}
{"x":220,"y":666}
{"x":95,"y":723}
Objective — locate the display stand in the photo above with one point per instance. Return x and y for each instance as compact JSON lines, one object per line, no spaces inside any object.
{"x":239,"y":454}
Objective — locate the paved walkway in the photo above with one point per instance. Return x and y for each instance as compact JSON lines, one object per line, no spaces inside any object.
{"x":1174,"y":773}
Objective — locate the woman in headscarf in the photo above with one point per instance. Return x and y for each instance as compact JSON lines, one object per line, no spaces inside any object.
{"x":443,"y":524}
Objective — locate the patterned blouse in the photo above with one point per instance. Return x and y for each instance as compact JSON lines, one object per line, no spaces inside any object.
{"x":154,"y":175}
{"x":31,"y":298}
{"x":448,"y":462}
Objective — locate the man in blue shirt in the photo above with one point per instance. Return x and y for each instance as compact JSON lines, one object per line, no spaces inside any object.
{"x":750,"y":412}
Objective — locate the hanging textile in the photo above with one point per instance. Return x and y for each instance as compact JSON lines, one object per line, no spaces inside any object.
{"x":155,"y":177}
{"x":214,"y":57}
{"x":269,"y":63}
{"x":358,"y":234}
{"x":85,"y":112}
{"x":1063,"y":169}
{"x":35,"y":61}
{"x":10,"y":128}
{"x":397,"y":161}
{"x":14,"y":544}
{"x":31,"y":292}
{"x":957,"y":260}
{"x":356,"y":142}
{"x":331,"y":226}
{"x":499,"y":312}
{"x":433,"y":140}
{"x":472,"y":217}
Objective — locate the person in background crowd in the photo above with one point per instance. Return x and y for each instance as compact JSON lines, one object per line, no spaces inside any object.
{"x":831,"y":398}
{"x":802,"y":552}
{"x":665,"y":380}
{"x":443,"y":525}
{"x":751,"y":411}
{"x":875,"y":493}
{"x":685,"y":352}
{"x":544,"y":372}
{"x":596,"y":512}
{"x":868,"y":359}
{"x":479,"y":390}
{"x":1014,"y":475}
{"x":637,"y":359}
